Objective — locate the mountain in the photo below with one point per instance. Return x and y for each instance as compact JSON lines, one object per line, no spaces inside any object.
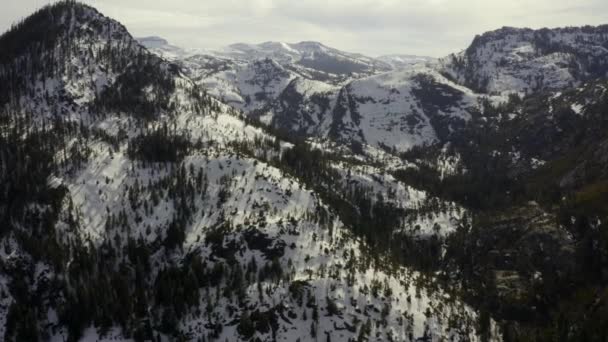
{"x":313,"y":56}
{"x":163,"y":48}
{"x":135,"y":206}
{"x":279,"y":85}
{"x":312,"y":59}
{"x":526,"y":60}
{"x":404,"y":61}
{"x":153,"y":42}
{"x":533,"y":171}
{"x":297,"y":192}
{"x":401,"y":110}
{"x":512,"y":129}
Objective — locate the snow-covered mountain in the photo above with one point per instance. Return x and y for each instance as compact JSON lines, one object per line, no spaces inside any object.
{"x":295,"y":192}
{"x":405,"y":61}
{"x":525,"y":60}
{"x":312,"y":59}
{"x":512,"y":128}
{"x":401,"y":110}
{"x":287,"y":87}
{"x":278,"y":84}
{"x":162,"y":47}
{"x":134,"y":206}
{"x":308,"y":55}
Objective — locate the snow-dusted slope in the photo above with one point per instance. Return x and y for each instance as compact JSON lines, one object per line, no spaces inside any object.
{"x":293,"y":88}
{"x":308,"y":57}
{"x":328,"y":284}
{"x":74,"y":81}
{"x":400,"y":110}
{"x":248,"y":86}
{"x":525,"y":60}
{"x":154,"y":211}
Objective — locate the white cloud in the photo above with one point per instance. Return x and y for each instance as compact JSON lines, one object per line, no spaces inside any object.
{"x":374,"y":27}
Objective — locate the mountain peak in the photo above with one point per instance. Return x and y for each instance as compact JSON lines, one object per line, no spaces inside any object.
{"x":310,"y":45}
{"x":152,"y":41}
{"x":403,"y":61}
{"x":525,"y":60}
{"x":44,"y":26}
{"x":162,"y":47}
{"x":282,"y":47}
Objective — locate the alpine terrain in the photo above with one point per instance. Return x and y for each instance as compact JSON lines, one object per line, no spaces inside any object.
{"x":296,"y":192}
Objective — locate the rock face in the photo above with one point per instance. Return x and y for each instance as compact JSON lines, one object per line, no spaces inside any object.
{"x":513,"y":128}
{"x":525,"y":61}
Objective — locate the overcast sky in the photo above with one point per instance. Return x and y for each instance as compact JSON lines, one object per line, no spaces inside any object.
{"x":373,"y":27}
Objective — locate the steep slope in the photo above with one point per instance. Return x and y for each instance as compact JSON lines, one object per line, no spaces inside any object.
{"x":49,"y":65}
{"x":533,"y":172}
{"x":524,"y":60}
{"x":400,"y":110}
{"x":394,"y":111}
{"x":530,"y":169}
{"x":247,"y":86}
{"x":134,"y":205}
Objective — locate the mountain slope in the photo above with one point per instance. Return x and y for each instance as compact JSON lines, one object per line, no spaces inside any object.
{"x":391,"y":110}
{"x":533,"y":173}
{"x":400,"y":110}
{"x":296,"y":192}
{"x":308,"y":57}
{"x":529,"y":168}
{"x":135,"y":206}
{"x":526,"y":61}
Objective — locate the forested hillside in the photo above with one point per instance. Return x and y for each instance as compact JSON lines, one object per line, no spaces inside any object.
{"x":135,"y":206}
{"x":296,"y":192}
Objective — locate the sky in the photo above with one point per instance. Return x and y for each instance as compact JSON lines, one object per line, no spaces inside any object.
{"x":372,"y":27}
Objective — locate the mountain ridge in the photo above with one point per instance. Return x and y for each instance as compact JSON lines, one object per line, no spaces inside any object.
{"x":527,"y":60}
{"x":268,"y":93}
{"x":527,"y":144}
{"x":174,"y":216}
{"x":214,"y":197}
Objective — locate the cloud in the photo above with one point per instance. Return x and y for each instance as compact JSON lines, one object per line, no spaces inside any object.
{"x":373,"y":27}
